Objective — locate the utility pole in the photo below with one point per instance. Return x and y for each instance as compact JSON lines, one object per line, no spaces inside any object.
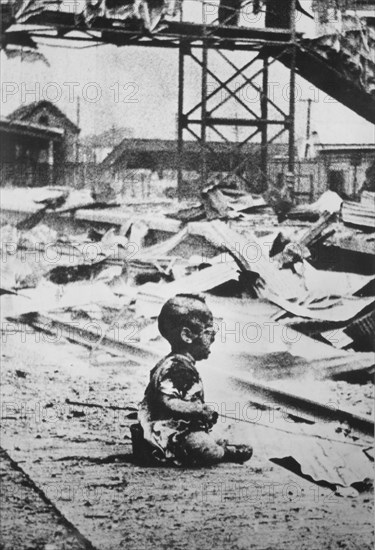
{"x":291,"y":179}
{"x":308,"y":125}
{"x":78,"y":107}
{"x":180,"y":113}
{"x":76,"y":168}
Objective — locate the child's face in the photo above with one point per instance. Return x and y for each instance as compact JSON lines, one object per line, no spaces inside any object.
{"x":202,"y":341}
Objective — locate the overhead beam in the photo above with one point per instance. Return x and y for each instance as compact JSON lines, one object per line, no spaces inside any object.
{"x":178,"y":29}
{"x":326,"y":77}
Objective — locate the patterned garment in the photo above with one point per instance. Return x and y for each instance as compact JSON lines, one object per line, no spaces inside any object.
{"x":174,"y":376}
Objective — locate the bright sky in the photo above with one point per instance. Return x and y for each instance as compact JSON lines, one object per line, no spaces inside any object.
{"x":137,"y":87}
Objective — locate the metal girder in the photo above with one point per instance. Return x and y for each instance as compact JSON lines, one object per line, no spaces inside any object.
{"x":207,"y":116}
{"x":180,"y":30}
{"x":199,"y":41}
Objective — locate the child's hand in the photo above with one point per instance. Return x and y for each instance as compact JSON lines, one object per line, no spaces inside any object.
{"x":209,"y":414}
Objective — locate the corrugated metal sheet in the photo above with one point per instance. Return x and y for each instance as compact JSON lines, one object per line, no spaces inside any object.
{"x":362,"y":330}
{"x":288,"y":290}
{"x":365,"y":326}
{"x":358,"y":214}
{"x":319,"y":295}
{"x":151,"y":296}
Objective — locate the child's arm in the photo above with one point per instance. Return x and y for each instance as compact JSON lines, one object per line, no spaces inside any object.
{"x":189,"y":410}
{"x":180,"y":394}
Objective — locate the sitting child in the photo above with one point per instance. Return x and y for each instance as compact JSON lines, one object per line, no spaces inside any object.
{"x":173,"y":415}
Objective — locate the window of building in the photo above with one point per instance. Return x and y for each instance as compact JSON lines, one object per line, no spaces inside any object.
{"x":43,"y":119}
{"x":18,"y":151}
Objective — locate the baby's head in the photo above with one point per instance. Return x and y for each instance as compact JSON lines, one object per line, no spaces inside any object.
{"x":187,"y":323}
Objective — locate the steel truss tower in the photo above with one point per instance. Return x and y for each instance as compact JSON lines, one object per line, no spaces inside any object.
{"x":198,"y":43}
{"x":206,"y":115}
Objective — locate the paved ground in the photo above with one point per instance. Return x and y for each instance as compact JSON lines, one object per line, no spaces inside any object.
{"x":81,"y":459}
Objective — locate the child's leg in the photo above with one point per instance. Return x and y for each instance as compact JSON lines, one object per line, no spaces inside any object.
{"x":201,"y":448}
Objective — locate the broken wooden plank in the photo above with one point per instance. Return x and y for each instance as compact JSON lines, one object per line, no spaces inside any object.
{"x":299,"y":249}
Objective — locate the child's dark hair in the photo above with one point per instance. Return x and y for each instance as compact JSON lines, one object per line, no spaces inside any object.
{"x":184,"y":310}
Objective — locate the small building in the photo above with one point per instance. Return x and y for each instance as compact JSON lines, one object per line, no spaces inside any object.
{"x":161,"y":157}
{"x":337,"y":167}
{"x":39,"y":146}
{"x":96,"y":147}
{"x":345,"y":166}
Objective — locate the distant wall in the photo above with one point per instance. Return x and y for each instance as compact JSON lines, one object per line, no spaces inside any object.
{"x":309,"y":182}
{"x":340,"y":171}
{"x":346,"y":169}
{"x":25,"y":173}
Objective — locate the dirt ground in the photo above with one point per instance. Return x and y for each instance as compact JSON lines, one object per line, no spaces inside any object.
{"x":79,"y":459}
{"x":28,"y":520}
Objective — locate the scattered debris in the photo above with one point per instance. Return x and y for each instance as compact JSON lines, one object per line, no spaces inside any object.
{"x":360,"y":214}
{"x":299,"y":249}
{"x":329,"y":201}
{"x":105,"y":295}
{"x":361,"y":332}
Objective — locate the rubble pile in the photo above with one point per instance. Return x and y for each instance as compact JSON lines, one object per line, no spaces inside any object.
{"x":105,"y":286}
